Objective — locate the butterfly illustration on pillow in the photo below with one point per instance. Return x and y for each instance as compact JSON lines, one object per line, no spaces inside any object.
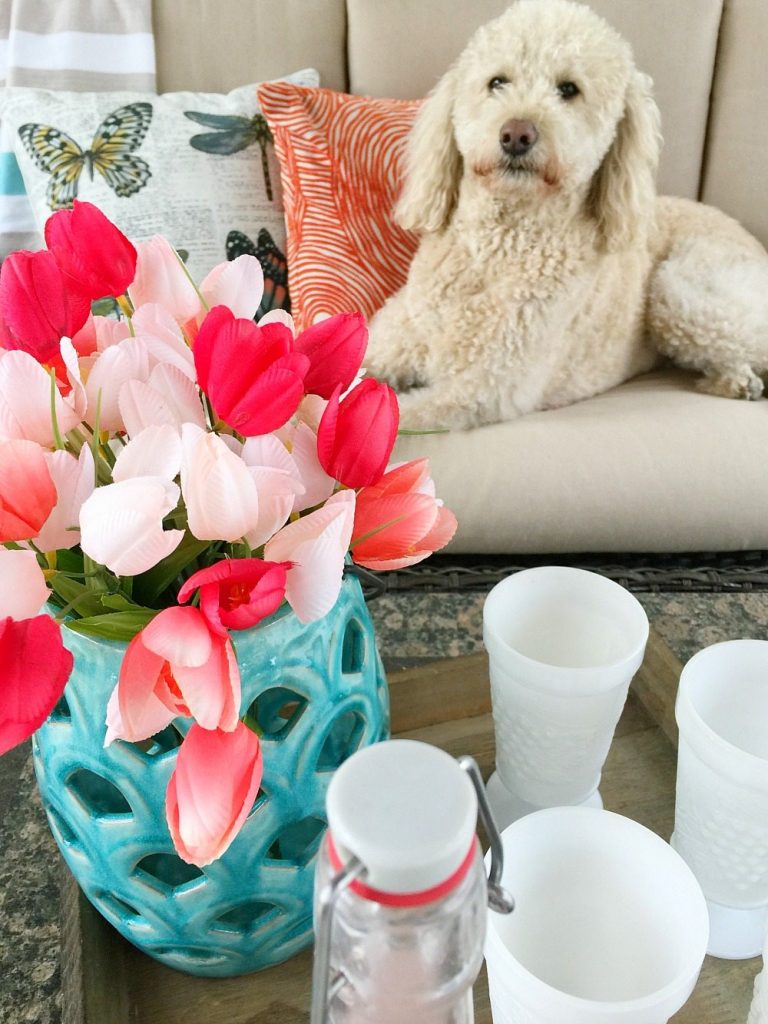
{"x":110,"y":153}
{"x":233,"y":133}
{"x":273,"y":263}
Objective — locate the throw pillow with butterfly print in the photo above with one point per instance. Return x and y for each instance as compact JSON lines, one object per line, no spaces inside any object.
{"x":133,"y":155}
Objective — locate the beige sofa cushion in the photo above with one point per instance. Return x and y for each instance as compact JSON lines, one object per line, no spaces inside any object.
{"x":400,"y":48}
{"x":218,"y":45}
{"x":736,"y":167}
{"x":651,"y":466}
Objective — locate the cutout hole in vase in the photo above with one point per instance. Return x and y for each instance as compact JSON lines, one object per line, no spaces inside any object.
{"x":61,"y":712}
{"x":97,"y":795}
{"x":298,"y":842}
{"x":247,"y":917}
{"x":277,"y":711}
{"x":117,"y":906}
{"x":353,"y":648}
{"x":162,"y":742}
{"x":66,"y":833}
{"x":343,"y":739}
{"x":166,"y":871}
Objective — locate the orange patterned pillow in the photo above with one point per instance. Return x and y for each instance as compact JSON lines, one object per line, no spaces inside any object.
{"x":341,"y":165}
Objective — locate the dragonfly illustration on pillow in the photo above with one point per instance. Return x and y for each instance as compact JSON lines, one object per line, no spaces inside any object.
{"x":111,"y":153}
{"x":234,"y":132}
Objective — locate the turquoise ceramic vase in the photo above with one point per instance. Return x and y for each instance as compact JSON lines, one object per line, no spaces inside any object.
{"x":318,"y":693}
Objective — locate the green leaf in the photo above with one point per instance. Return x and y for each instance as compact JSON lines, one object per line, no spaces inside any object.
{"x":75,"y":594}
{"x":150,"y":585}
{"x":121,"y":603}
{"x":115,"y":626}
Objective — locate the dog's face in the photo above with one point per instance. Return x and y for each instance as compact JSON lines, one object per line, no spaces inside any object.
{"x":538,"y":96}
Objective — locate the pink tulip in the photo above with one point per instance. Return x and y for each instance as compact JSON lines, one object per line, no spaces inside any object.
{"x":92,"y":252}
{"x":163,"y":338}
{"x":98,"y":333}
{"x":335,"y":348}
{"x":27,"y":492}
{"x":238,"y":285}
{"x":34,"y":668}
{"x":155,"y":451}
{"x":276,"y":477}
{"x":37,"y":308}
{"x":175,"y":666}
{"x":212,"y":790}
{"x":111,"y":369}
{"x":25,"y":397}
{"x":161,"y":277}
{"x":74,"y":479}
{"x":237,"y":592}
{"x":121,"y":525}
{"x":356,"y":435}
{"x":398,"y":521}
{"x":219,"y":491}
{"x":251,"y":374}
{"x":23,"y":590}
{"x":168,"y":397}
{"x":317,"y":545}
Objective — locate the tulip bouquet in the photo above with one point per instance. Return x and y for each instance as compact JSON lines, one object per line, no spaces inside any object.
{"x":174,"y":471}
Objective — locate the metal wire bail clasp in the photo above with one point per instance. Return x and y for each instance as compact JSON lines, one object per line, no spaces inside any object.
{"x":498,"y":898}
{"x":323,"y":988}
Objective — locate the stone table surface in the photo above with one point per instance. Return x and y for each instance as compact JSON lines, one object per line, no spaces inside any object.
{"x":411,"y":628}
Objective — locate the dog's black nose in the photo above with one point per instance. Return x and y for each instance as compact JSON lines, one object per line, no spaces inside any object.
{"x":518,"y":137}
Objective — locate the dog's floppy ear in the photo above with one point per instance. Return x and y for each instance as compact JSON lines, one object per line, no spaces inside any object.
{"x":623,"y":190}
{"x":433,"y":163}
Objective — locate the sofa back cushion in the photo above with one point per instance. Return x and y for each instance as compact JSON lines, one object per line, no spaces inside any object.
{"x":736,"y":162}
{"x":214,"y":47}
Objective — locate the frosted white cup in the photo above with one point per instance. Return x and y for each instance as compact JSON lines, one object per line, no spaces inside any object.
{"x":721,"y":808}
{"x":563,"y":645}
{"x":609,"y":927}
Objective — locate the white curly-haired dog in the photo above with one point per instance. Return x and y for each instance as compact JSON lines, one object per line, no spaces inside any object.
{"x":548,"y":270}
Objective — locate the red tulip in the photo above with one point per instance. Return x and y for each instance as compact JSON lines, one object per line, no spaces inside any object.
{"x":212,"y":790}
{"x":335,"y":348}
{"x":251,"y":374}
{"x":356,"y":436}
{"x":37,"y":308}
{"x":94,"y":255}
{"x":238,"y":592}
{"x":27,"y":492}
{"x":399,"y":521}
{"x":34,"y":668}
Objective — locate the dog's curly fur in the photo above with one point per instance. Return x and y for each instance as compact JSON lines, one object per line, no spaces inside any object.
{"x":549,"y":277}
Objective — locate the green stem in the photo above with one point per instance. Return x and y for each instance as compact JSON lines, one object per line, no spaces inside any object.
{"x":58,"y":439}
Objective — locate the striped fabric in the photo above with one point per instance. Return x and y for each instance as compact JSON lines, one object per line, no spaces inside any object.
{"x":69,"y":44}
{"x":341,"y":164}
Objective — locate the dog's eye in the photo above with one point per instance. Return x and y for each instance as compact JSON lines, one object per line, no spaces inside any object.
{"x":568,"y":90}
{"x":498,"y":82}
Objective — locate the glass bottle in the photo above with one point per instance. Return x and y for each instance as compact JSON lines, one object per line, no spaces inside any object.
{"x":401,"y":890}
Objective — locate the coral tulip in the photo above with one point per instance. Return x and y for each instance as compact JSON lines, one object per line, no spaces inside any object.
{"x":251,"y":374}
{"x":25,"y":397}
{"x":161,"y":277}
{"x":175,"y":666}
{"x":237,"y":593}
{"x":27,"y":491}
{"x":23,"y":590}
{"x":399,"y":521}
{"x":212,"y":790}
{"x":335,"y":348}
{"x":219,"y":491}
{"x":37,"y":308}
{"x":356,"y":435}
{"x":121,"y":525}
{"x":92,"y":252}
{"x":34,"y":668}
{"x":317,"y":545}
{"x":74,"y":479}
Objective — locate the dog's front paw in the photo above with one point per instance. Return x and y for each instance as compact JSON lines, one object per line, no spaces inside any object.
{"x":742,"y":383}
